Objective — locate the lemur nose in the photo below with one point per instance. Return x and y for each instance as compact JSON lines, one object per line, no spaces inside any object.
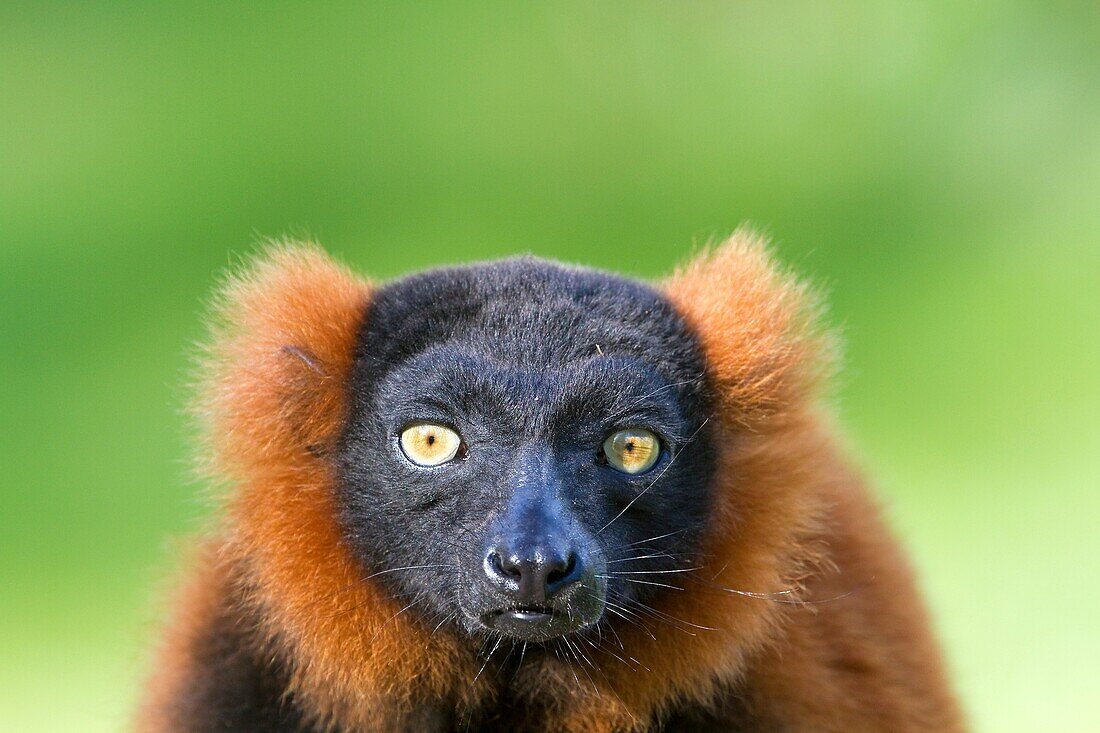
{"x":533,"y":574}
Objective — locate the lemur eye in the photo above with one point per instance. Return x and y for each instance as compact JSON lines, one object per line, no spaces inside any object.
{"x":632,"y":451}
{"x":429,"y":444}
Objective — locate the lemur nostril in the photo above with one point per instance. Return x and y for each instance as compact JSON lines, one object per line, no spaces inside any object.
{"x":560,"y":572}
{"x":501,"y":569}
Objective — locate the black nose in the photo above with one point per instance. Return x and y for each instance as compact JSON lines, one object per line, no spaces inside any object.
{"x":533,"y":574}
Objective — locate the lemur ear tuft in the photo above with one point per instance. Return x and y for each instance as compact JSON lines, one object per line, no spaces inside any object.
{"x":275,"y":370}
{"x":759,"y":326}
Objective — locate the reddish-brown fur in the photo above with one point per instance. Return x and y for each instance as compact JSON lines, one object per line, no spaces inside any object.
{"x":829,"y":634}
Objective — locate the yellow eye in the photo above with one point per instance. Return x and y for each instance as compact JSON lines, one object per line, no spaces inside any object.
{"x":429,"y":444}
{"x":632,"y":451}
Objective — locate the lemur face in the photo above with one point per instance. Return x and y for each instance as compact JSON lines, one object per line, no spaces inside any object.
{"x":527,"y":448}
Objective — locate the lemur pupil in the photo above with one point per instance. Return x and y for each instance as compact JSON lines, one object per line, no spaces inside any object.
{"x":431,"y":440}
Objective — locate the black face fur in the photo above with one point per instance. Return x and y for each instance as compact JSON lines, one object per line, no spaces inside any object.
{"x":533,"y":364}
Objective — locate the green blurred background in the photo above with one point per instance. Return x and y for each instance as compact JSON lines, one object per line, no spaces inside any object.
{"x":935,"y":165}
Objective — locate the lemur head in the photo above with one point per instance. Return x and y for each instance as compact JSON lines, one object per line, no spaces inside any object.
{"x":422,"y":470}
{"x":526,"y":446}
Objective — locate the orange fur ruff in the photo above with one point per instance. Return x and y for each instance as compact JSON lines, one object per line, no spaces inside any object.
{"x":828,"y":635}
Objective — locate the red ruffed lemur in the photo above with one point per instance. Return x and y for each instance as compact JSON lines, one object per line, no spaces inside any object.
{"x":522,"y":496}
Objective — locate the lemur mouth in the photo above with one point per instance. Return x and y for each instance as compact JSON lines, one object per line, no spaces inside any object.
{"x":526,"y":614}
{"x":529,"y":622}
